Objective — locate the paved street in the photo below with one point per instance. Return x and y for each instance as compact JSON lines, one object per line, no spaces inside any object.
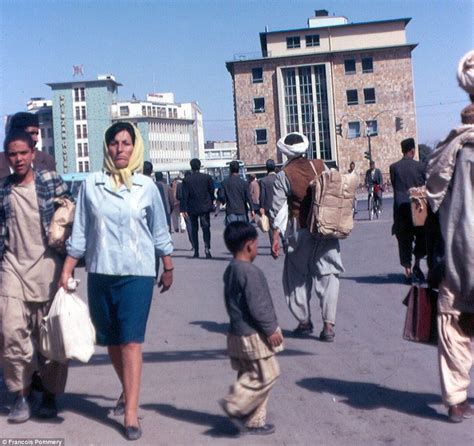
{"x":369,"y":387}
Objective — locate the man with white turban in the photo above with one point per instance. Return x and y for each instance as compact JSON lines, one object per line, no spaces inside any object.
{"x":450,"y":187}
{"x":310,"y":263}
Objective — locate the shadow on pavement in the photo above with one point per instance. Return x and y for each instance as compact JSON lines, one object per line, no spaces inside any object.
{"x":220,"y":425}
{"x":369,"y":396}
{"x":213,"y":327}
{"x":380,"y":280}
{"x":82,"y":404}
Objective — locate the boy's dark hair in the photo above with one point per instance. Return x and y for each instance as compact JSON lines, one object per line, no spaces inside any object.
{"x":293,"y":138}
{"x":18,"y":135}
{"x":195,"y":164}
{"x":147,"y":168}
{"x":234,"y":167}
{"x":22,"y":120}
{"x":238,"y":233}
{"x":158,"y":176}
{"x":117,"y":128}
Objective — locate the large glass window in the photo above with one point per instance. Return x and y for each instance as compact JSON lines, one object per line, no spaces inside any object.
{"x":257,"y":75}
{"x":124,"y":110}
{"x":372,"y":128}
{"x":307,"y":107}
{"x":352,"y":98}
{"x":293,"y":42}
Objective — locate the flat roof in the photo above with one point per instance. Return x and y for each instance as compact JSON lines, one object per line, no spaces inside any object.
{"x":229,"y":64}
{"x":95,"y":82}
{"x":342,"y":25}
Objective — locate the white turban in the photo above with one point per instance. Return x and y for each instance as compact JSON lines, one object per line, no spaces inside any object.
{"x":466,"y":72}
{"x":292,"y":151}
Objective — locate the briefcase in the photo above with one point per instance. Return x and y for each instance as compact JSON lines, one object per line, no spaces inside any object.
{"x":421,"y":317}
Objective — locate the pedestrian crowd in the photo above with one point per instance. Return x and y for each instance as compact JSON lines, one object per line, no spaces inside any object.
{"x":122,"y":228}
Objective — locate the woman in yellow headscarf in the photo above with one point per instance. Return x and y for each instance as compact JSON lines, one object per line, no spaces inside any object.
{"x":120,"y":224}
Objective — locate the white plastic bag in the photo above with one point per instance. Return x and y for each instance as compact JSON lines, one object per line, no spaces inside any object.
{"x":67,"y":331}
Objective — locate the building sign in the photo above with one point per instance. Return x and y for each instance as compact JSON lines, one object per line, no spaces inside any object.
{"x":62,"y":108}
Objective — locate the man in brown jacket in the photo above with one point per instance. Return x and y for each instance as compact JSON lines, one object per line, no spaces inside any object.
{"x":310,"y":263}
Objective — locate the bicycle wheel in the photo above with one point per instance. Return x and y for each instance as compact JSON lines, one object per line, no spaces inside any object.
{"x":371,"y":207}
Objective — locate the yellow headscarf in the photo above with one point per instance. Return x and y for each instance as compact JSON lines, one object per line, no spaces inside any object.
{"x":135,"y":164}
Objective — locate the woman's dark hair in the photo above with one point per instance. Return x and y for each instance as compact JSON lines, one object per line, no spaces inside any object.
{"x":117,"y":128}
{"x":18,"y":135}
{"x":238,"y":233}
{"x":293,"y":138}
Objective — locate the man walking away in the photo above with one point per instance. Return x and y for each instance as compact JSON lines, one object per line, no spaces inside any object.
{"x":234,"y":193}
{"x":197,"y":203}
{"x":405,"y":174}
{"x":266,"y":192}
{"x":310,"y":262}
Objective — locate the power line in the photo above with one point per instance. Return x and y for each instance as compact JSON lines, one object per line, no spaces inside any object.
{"x":440,"y":103}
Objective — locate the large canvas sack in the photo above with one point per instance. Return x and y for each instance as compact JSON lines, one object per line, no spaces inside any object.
{"x":331,"y":214}
{"x":61,"y":224}
{"x":67,"y":331}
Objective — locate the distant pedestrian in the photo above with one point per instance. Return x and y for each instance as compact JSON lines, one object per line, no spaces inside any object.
{"x":254,"y":191}
{"x":29,"y":123}
{"x":184,"y":215}
{"x":234,"y":193}
{"x":266,"y":192}
{"x":197,"y":203}
{"x":29,"y":273}
{"x":175,"y":208}
{"x":310,"y":263}
{"x":450,"y":185}
{"x":354,"y":205}
{"x":254,"y":335}
{"x":405,"y":174}
{"x":120,"y":228}
{"x":165,"y":191}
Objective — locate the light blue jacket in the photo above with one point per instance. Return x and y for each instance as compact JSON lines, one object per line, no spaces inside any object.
{"x":119,"y":232}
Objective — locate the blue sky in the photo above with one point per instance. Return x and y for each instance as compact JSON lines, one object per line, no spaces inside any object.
{"x":182,"y":46}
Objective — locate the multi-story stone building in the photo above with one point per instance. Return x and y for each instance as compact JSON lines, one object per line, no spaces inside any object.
{"x":334,"y":81}
{"x":82,"y":110}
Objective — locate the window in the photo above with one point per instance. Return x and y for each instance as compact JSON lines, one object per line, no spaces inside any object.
{"x":124,"y":111}
{"x":259,"y":105}
{"x":143,"y":110}
{"x":84,"y":130}
{"x":82,"y":93}
{"x":81,"y":166}
{"x":83,"y":112}
{"x":50,"y":132}
{"x":261,"y":136}
{"x":367,"y":65}
{"x":86,"y":166}
{"x":369,"y":95}
{"x":175,"y":113}
{"x":352,"y":98}
{"x":354,"y":129}
{"x":293,"y":42}
{"x":76,"y":94}
{"x":78,"y":114}
{"x":42,"y":134}
{"x":257,"y":75}
{"x":372,"y":128}
{"x":86,"y":149}
{"x":350,"y":66}
{"x":79,"y":149}
{"x":312,"y":40}
{"x":78,"y":131}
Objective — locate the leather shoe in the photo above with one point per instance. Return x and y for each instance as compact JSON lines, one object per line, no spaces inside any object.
{"x":327,"y":335}
{"x":208,"y":254}
{"x":48,"y":408}
{"x":196,"y":255}
{"x":266,"y":429}
{"x":133,"y":433}
{"x":20,"y":411}
{"x":460,"y":411}
{"x":303,"y":328}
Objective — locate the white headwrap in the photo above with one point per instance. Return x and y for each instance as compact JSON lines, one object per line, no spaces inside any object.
{"x":292,"y":151}
{"x":466,"y":72}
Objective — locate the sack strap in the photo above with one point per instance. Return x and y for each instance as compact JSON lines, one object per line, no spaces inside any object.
{"x":312,"y":167}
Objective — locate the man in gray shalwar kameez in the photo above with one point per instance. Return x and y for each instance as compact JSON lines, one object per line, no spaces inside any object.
{"x":310,"y":263}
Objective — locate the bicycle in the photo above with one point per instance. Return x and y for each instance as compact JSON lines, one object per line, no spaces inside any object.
{"x":373,"y":204}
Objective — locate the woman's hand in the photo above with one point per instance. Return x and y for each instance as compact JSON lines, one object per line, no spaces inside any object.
{"x":67,"y":272}
{"x":166,"y":280}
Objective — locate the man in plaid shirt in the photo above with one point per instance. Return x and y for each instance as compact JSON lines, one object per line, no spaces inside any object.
{"x":29,"y":273}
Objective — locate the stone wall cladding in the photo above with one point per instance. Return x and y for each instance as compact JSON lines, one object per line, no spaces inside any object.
{"x":393,"y":83}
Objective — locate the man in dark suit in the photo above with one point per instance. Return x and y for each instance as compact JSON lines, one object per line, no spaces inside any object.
{"x":266,"y":192}
{"x":405,"y":174}
{"x":28,"y":122}
{"x":197,"y":203}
